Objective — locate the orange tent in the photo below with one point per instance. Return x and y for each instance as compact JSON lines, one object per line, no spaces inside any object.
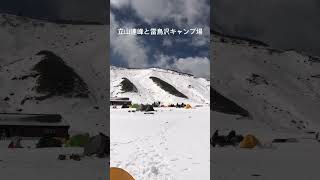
{"x":119,"y":174}
{"x":249,"y":142}
{"x":188,"y":106}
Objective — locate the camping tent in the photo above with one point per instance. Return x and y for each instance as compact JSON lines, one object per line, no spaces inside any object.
{"x":249,"y":141}
{"x":188,"y":106}
{"x":79,"y":140}
{"x":137,"y":106}
{"x":15,"y":143}
{"x":98,"y":145}
{"x":119,"y":174}
{"x":156,"y":104}
{"x":147,"y":107}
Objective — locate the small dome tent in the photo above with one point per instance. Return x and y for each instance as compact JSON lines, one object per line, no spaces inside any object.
{"x":146,"y":108}
{"x":188,"y":106}
{"x":249,"y":142}
{"x":119,"y":174}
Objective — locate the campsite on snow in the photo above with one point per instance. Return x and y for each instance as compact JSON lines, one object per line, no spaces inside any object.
{"x":52,"y":102}
{"x":159,"y":124}
{"x":264,"y":111}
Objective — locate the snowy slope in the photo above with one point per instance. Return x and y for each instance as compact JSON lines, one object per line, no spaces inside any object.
{"x":83,"y":48}
{"x":196,"y":89}
{"x":278,"y":88}
{"x":280,"y":92}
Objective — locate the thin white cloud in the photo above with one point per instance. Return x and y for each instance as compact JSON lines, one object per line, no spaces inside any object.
{"x":167,"y":42}
{"x":182,"y":12}
{"x":163,"y":61}
{"x":132,"y":51}
{"x":197,"y":66}
{"x":119,"y":3}
{"x":202,"y":40}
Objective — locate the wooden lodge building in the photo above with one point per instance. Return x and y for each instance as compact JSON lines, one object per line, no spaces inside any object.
{"x":33,"y":125}
{"x":119,"y":101}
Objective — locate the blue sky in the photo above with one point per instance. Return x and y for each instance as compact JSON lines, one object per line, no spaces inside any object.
{"x":186,"y":53}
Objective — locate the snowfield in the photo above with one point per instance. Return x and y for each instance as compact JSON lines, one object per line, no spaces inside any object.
{"x":280,"y":91}
{"x":171,"y":144}
{"x":294,"y":161}
{"x":32,"y":163}
{"x":288,"y":161}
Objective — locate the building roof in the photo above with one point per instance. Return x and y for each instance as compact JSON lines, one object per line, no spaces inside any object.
{"x":119,"y":99}
{"x":16,"y":119}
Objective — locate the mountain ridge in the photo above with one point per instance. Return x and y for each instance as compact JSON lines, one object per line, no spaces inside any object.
{"x":195,"y":90}
{"x":252,"y":41}
{"x":53,"y":20}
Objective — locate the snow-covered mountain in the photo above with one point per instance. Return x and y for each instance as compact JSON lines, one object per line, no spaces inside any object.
{"x":154,"y":84}
{"x":48,"y":67}
{"x":275,"y":89}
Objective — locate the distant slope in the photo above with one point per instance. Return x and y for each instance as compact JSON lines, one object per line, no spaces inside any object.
{"x":235,"y":39}
{"x":279,"y":89}
{"x":155,"y":84}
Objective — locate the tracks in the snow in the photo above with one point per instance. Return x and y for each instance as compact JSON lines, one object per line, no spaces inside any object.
{"x":145,"y":161}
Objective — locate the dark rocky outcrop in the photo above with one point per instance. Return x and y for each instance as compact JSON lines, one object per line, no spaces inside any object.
{"x":222,"y":104}
{"x":168,"y":87}
{"x":128,"y":86}
{"x":58,"y":79}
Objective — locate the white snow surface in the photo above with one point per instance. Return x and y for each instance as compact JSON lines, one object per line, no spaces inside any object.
{"x":171,"y":144}
{"x":33,"y":163}
{"x":287,"y":106}
{"x":196,"y":89}
{"x":291,"y":93}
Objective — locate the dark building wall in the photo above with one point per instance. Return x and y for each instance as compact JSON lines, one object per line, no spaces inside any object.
{"x":34,"y":131}
{"x":119,"y":103}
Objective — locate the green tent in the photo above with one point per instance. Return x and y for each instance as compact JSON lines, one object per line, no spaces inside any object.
{"x":79,"y":140}
{"x":137,"y":106}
